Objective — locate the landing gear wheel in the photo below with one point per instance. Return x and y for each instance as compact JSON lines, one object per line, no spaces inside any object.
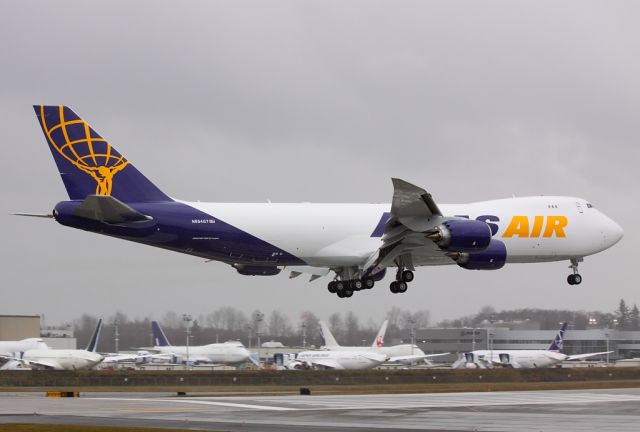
{"x":340,"y":294}
{"x":574,"y":279}
{"x":368,"y":283}
{"x":407,"y":276}
{"x":401,"y":287}
{"x":332,"y":287}
{"x":356,"y":285}
{"x":393,"y":287}
{"x":347,"y":293}
{"x":340,"y":286}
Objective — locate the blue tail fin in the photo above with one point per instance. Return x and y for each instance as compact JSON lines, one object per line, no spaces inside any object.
{"x":159,"y":339}
{"x":558,"y":342}
{"x":87,"y":162}
{"x":95,"y":338}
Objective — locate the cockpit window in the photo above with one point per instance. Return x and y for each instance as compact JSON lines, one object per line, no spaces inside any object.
{"x":589,"y":205}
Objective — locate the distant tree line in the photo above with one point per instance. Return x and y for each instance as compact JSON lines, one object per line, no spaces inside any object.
{"x":228,"y":323}
{"x":623,"y":318}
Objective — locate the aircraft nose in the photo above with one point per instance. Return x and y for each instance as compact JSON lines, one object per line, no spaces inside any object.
{"x":612,"y":233}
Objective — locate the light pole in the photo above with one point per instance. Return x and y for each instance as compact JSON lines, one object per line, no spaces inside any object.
{"x":258,"y":319}
{"x":116,"y":334}
{"x":187,"y":319}
{"x":412,"y":322}
{"x":304,"y":334}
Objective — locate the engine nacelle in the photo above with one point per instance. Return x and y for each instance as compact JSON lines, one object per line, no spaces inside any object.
{"x":297,"y":365}
{"x":492,"y":258}
{"x":462,"y":235}
{"x":253,"y":270}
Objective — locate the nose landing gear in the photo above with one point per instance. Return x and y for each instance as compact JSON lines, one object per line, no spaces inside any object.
{"x":574,"y":278}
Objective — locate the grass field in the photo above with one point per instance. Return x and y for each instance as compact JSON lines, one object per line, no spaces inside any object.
{"x":266,"y":390}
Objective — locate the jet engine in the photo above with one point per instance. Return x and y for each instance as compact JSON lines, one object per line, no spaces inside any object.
{"x":253,"y":270}
{"x":461,"y":235}
{"x":492,"y":258}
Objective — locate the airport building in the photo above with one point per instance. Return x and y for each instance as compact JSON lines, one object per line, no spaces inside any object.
{"x":624,"y":344}
{"x":17,"y":327}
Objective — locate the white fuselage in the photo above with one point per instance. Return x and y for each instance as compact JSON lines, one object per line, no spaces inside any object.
{"x":517,"y":358}
{"x":362,"y":359}
{"x":390,"y":351}
{"x":62,"y":359}
{"x":226,"y":353}
{"x":332,"y":235}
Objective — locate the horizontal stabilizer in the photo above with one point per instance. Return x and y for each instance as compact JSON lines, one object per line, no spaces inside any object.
{"x":38,"y":215}
{"x":107,"y":209}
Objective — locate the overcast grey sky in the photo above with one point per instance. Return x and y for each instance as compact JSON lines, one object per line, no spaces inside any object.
{"x":319,"y":101}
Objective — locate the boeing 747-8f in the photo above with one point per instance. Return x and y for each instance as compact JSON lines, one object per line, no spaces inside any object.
{"x":354,"y":242}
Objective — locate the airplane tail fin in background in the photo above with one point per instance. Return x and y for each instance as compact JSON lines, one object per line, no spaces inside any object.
{"x":558,"y":342}
{"x":95,"y":338}
{"x":87,"y":163}
{"x":379,"y":340}
{"x":327,"y":337}
{"x":159,"y":339}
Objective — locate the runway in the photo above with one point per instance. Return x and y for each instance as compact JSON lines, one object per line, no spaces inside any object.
{"x":567,"y":410}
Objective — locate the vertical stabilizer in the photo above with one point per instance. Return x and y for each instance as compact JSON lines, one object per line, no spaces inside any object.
{"x":327,"y":337}
{"x":558,"y":342}
{"x":159,"y":339}
{"x":379,"y":340}
{"x":87,"y":163}
{"x":95,"y":338}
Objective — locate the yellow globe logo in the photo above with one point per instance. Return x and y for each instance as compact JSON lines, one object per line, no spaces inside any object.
{"x":85,"y":149}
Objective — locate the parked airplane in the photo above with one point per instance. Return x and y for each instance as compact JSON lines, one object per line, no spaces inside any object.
{"x":222,"y":353}
{"x":61,"y":359}
{"x":522,"y":358}
{"x":357,"y":242}
{"x":403,"y":354}
{"x":326,"y":359}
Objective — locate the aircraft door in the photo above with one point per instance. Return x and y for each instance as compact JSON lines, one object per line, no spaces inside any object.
{"x":505,"y":360}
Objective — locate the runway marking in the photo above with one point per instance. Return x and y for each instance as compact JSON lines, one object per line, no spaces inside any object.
{"x":344,"y":403}
{"x":204,"y":402}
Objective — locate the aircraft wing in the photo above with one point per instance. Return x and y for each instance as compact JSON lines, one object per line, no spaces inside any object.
{"x":408,"y":359}
{"x":42,"y":364}
{"x":413,"y":213}
{"x":582,"y":356}
{"x":328,"y":363}
{"x":315,"y":272}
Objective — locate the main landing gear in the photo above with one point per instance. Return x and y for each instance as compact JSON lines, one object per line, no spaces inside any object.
{"x":574,"y":278}
{"x":403,"y":277}
{"x":346,"y":288}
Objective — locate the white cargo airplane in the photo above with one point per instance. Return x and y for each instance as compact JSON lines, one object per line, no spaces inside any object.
{"x":60,"y":359}
{"x":405,"y":354}
{"x":219,"y":353}
{"x":522,"y":359}
{"x":357,"y":242}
